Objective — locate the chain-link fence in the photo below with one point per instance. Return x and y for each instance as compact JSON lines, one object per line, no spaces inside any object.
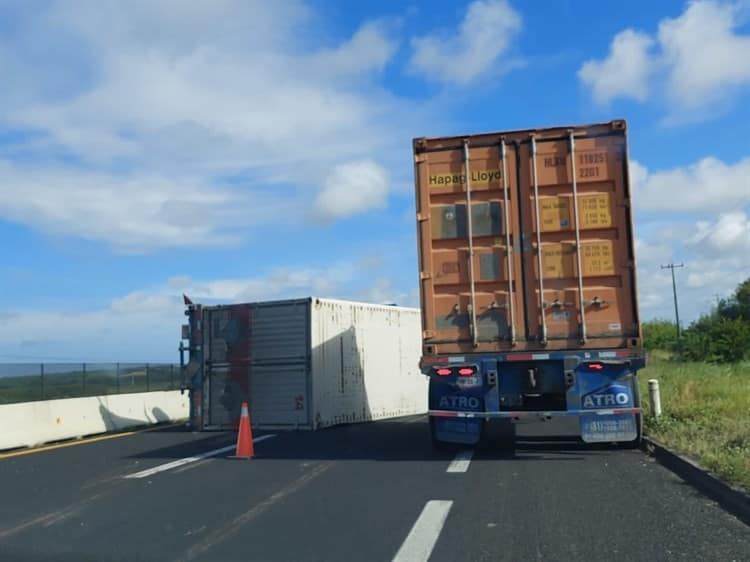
{"x":28,"y":382}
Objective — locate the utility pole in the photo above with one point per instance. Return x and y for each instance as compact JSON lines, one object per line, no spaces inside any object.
{"x":672,"y":266}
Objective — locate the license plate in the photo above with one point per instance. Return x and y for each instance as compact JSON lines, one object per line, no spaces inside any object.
{"x":469,"y":382}
{"x":458,"y":431}
{"x":605,"y":429}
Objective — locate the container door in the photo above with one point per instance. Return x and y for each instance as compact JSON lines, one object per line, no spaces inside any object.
{"x":575,"y":215}
{"x":278,"y":395}
{"x":469,"y":247}
{"x":280,"y":332}
{"x":280,"y":366}
{"x":227,"y":356}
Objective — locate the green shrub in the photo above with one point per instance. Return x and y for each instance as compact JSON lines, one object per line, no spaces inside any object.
{"x":659,"y":334}
{"x":717,"y":340}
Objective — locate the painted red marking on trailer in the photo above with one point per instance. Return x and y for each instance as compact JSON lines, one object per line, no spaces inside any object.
{"x":520,"y":357}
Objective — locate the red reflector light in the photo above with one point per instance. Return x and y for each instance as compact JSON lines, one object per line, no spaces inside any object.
{"x":596,"y":366}
{"x":466,"y":371}
{"x":443,"y":372}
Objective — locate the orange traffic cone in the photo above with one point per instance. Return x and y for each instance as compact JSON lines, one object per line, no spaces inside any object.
{"x":245,"y":449}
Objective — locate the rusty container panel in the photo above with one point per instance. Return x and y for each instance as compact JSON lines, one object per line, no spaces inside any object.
{"x":527,"y":215}
{"x":447,"y":271}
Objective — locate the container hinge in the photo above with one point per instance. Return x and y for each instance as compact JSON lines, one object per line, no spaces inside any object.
{"x":422,"y":218}
{"x":423,"y":275}
{"x":472,"y":325}
{"x":427,"y":334}
{"x":557,"y":304}
{"x":420,"y":158}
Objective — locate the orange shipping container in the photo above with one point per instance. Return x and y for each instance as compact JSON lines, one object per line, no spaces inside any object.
{"x":544,"y":259}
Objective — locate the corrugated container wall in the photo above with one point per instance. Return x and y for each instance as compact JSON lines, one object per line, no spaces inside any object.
{"x":365,"y":362}
{"x":310,"y":363}
{"x":554,"y":201}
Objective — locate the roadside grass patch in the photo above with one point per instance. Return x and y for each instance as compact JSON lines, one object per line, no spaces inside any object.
{"x":705,"y":413}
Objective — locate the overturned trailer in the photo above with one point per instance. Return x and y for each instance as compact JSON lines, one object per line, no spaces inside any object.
{"x":302,"y":364}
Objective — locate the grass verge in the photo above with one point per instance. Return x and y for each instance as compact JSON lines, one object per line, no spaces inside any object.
{"x":705,"y":414}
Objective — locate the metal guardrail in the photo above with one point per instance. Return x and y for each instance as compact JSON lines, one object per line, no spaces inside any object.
{"x":29,"y":382}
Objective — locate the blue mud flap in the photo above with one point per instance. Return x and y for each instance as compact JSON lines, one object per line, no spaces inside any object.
{"x":607,"y":390}
{"x":467,"y":431}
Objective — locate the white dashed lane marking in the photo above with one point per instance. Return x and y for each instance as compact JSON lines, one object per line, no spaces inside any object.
{"x":461,"y":462}
{"x":188,"y":460}
{"x":424,"y":534}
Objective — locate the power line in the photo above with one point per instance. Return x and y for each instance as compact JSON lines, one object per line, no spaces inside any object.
{"x":672,"y":267}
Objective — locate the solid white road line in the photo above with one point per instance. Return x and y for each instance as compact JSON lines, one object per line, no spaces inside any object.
{"x":461,"y":462}
{"x":188,"y":460}
{"x":424,"y":534}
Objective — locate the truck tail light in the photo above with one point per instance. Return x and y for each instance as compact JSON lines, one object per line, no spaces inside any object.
{"x":444,"y":372}
{"x":596,"y":366}
{"x":466,"y":371}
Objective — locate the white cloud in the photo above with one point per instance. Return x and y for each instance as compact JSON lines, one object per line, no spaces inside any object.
{"x":383,"y":291}
{"x":701,"y":59}
{"x":483,"y":37}
{"x":160,"y":103}
{"x":109,"y":336}
{"x":698,"y":215}
{"x":352,"y":188}
{"x":708,"y":277}
{"x":368,"y":50}
{"x":151,"y":316}
{"x":652,"y":252}
{"x":625,"y":71}
{"x":280,"y":283}
{"x":174,"y":27}
{"x":699,"y":283}
{"x":277,"y":284}
{"x":133,"y":212}
{"x":728,"y":236}
{"x":707,"y":186}
{"x":704,"y":54}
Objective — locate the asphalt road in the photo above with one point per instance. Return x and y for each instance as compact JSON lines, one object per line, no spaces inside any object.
{"x":363,"y":492}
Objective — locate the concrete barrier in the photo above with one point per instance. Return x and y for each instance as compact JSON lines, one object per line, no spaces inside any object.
{"x":32,"y":423}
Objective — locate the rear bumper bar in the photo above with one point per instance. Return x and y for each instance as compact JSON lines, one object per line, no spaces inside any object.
{"x":552,"y":414}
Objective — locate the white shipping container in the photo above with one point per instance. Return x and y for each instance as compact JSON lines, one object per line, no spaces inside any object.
{"x":311,"y":363}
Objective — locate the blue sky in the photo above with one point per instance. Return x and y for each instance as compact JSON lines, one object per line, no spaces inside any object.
{"x":243,"y":150}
